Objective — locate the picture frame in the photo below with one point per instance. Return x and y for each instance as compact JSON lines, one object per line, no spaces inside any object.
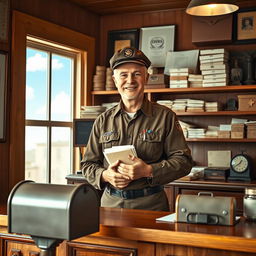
{"x":155,"y":42}
{"x":118,"y":39}
{"x":244,"y":28}
{"x":4,"y":20}
{"x":3,"y":93}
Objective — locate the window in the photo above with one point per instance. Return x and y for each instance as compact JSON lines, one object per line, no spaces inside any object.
{"x":50,"y":104}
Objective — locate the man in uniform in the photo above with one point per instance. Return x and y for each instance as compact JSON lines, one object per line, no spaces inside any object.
{"x":153,"y":129}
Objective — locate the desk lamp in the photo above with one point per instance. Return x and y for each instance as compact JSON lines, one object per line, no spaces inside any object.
{"x":52,"y":213}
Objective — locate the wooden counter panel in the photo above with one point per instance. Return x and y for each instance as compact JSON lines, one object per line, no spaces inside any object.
{"x":138,"y":229}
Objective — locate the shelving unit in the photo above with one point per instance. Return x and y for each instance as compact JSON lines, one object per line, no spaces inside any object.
{"x":200,"y":146}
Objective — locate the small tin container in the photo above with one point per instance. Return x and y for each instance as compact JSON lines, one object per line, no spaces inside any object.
{"x":250,"y":204}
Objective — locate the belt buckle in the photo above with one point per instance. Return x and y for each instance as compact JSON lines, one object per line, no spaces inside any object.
{"x":124,"y":194}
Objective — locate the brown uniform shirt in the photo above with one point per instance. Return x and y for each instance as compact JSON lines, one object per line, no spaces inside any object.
{"x":156,"y":135}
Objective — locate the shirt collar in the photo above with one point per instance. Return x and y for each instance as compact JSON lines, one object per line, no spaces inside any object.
{"x":146,"y":108}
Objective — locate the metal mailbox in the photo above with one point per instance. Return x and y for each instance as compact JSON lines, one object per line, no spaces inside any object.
{"x":53,"y":211}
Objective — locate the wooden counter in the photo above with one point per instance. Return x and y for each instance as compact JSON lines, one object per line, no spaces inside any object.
{"x":135,"y":232}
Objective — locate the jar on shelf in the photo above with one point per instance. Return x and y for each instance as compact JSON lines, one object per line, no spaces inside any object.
{"x":250,"y":204}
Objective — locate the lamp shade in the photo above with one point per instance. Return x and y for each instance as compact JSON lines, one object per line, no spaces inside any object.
{"x":211,"y":7}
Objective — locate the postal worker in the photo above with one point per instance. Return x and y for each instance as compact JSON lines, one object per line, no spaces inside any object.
{"x":153,"y":129}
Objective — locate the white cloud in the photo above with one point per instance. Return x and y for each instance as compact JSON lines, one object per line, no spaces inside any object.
{"x":39,"y":63}
{"x":56,"y":64}
{"x":60,"y":105}
{"x":30,"y":93}
{"x":36,"y":63}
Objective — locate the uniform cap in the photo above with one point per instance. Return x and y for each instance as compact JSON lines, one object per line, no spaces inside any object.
{"x":129,"y":55}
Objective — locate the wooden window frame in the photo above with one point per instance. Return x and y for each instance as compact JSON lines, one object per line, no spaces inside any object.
{"x":24,"y":26}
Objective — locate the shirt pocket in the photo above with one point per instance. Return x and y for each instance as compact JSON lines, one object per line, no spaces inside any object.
{"x":150,"y":146}
{"x":110,"y":140}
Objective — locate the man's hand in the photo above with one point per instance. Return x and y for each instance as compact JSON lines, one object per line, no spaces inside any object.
{"x":136,"y":170}
{"x":115,"y":178}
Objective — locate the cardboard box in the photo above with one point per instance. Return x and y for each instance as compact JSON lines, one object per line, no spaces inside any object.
{"x":223,"y":134}
{"x":246,"y":102}
{"x":251,"y":134}
{"x":237,"y":135}
{"x":237,"y":131}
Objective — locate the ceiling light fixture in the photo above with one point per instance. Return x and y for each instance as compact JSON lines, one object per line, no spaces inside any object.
{"x":211,"y":7}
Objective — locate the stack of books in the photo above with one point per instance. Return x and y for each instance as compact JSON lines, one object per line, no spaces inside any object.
{"x":99,"y":78}
{"x":196,"y":132}
{"x":214,"y":67}
{"x":110,"y":85}
{"x":211,"y":106}
{"x":251,"y":129}
{"x":224,"y":131}
{"x":179,"y":77}
{"x":179,"y":105}
{"x":91,"y":112}
{"x":212,"y":131}
{"x":185,"y":127}
{"x":195,"y":105}
{"x":195,"y":80}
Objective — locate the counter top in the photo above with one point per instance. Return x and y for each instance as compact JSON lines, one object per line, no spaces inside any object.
{"x":140,"y":225}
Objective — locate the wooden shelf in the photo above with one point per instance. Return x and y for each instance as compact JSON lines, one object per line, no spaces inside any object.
{"x":218,"y":113}
{"x":230,"y":88}
{"x":219,"y":140}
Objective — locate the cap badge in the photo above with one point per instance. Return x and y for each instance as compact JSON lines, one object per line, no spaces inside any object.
{"x":128,"y":52}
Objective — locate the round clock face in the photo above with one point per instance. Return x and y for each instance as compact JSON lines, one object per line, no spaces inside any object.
{"x":239,"y":163}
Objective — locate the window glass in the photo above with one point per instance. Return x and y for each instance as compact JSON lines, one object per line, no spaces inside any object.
{"x":60,"y":154}
{"x":36,"y":154}
{"x":61,"y":107}
{"x":36,"y":84}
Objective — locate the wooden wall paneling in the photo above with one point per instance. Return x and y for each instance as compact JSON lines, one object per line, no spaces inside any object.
{"x":24,"y":25}
{"x":63,"y":13}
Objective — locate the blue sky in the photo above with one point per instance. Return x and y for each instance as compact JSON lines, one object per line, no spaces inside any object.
{"x":36,"y":86}
{"x":36,"y":94}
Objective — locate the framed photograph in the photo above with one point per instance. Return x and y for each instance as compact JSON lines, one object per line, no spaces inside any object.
{"x":155,"y":42}
{"x":4,"y":20}
{"x":118,"y":39}
{"x":244,"y":30}
{"x":3,"y":92}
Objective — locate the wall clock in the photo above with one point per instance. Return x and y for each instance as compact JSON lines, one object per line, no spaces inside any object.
{"x":241,"y":168}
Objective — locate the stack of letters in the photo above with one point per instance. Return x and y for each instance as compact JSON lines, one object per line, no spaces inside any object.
{"x":214,"y":67}
{"x":179,"y":77}
{"x":195,"y":80}
{"x":195,"y":105}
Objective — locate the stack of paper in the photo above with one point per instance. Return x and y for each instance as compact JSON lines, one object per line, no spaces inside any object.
{"x":195,"y":80}
{"x":179,"y":77}
{"x":179,"y":105}
{"x":212,"y":131}
{"x":195,"y":105}
{"x":214,"y":67}
{"x":196,"y":132}
{"x":211,"y":106}
{"x":120,"y":153}
{"x":185,"y":127}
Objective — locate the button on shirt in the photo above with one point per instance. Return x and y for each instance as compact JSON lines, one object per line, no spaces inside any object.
{"x":156,"y":135}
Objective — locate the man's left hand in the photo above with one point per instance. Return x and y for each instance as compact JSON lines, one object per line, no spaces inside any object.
{"x":136,"y":170}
